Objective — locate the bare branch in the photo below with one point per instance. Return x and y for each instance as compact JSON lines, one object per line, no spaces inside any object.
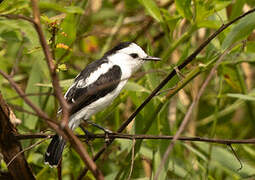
{"x":30,"y":94}
{"x":236,"y":156}
{"x":26,"y":149}
{"x":17,"y":16}
{"x":145,"y":136}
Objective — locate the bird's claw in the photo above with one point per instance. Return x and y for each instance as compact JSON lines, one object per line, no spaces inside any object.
{"x":107,"y":139}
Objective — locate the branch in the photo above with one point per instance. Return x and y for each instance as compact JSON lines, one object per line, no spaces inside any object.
{"x":143,"y":136}
{"x":17,"y":16}
{"x":31,"y":94}
{"x":26,"y":149}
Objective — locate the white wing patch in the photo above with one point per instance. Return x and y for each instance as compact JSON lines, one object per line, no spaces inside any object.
{"x":104,"y":68}
{"x":82,"y":83}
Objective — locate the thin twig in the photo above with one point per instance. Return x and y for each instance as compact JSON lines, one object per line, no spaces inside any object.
{"x":17,"y":16}
{"x":145,"y":136}
{"x":236,"y":156}
{"x":30,"y":94}
{"x":21,"y":109}
{"x":26,"y":149}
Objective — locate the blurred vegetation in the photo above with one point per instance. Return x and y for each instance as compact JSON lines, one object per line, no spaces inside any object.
{"x":80,"y":31}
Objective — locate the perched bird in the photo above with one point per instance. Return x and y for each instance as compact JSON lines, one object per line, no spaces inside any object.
{"x":96,"y":87}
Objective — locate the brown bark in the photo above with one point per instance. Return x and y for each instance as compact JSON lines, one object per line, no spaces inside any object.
{"x":9,"y":146}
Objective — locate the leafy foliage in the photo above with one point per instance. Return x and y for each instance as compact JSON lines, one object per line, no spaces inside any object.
{"x":81,"y":31}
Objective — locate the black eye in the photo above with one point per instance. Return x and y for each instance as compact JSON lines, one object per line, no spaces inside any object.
{"x":134,"y":55}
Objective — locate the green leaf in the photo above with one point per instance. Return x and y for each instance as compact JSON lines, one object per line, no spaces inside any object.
{"x":69,"y":27}
{"x":11,"y":7}
{"x":249,"y":150}
{"x":231,"y":77}
{"x":56,"y":7}
{"x":219,"y":4}
{"x":132,"y":86}
{"x":3,"y":5}
{"x":183,"y":7}
{"x":152,"y":9}
{"x":240,"y":31}
{"x":63,"y":83}
{"x":250,"y":46}
{"x":204,"y":9}
{"x":30,"y":121}
{"x":34,"y":158}
{"x":242,"y":96}
{"x":225,"y":159}
{"x":74,"y":9}
{"x":209,"y":24}
{"x":237,"y":9}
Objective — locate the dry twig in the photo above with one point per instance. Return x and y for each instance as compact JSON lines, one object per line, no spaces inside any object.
{"x":26,"y":149}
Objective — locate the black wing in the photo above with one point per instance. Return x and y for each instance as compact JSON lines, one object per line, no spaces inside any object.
{"x":82,"y":76}
{"x":81,"y":97}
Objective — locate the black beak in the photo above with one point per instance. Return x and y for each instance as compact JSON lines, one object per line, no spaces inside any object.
{"x":151,"y":58}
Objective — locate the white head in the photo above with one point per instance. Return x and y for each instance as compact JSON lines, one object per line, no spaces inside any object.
{"x":130,"y":55}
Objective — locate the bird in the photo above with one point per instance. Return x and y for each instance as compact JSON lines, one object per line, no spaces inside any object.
{"x":95,"y":87}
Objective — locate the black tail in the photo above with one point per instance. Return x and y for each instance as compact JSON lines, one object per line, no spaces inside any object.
{"x":54,"y":151}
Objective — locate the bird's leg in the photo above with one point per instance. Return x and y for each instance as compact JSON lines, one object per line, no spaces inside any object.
{"x":106,"y":131}
{"x":89,"y":135}
{"x":99,"y":127}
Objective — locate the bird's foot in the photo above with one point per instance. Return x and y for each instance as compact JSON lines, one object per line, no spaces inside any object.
{"x":106,"y":131}
{"x":107,"y":138}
